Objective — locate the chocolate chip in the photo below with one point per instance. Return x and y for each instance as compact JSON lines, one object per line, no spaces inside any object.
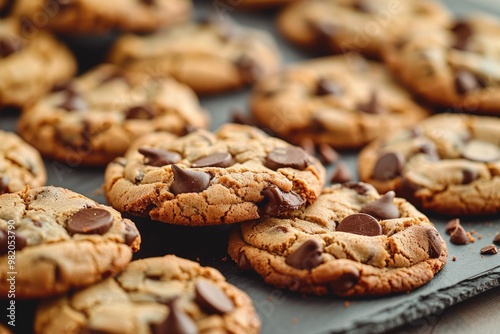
{"x":430,"y":150}
{"x":249,"y":69}
{"x":324,"y":31}
{"x":308,"y":256}
{"x":489,"y":250}
{"x":290,"y":156}
{"x":158,"y":157}
{"x":307,"y":144}
{"x":462,"y":32}
{"x":481,"y":151}
{"x":211,"y":298}
{"x":327,"y":87}
{"x":4,"y":184}
{"x":372,"y":106}
{"x":10,"y":46}
{"x":496,"y":240}
{"x":382,"y":208}
{"x":360,"y":223}
{"x":468,"y":175}
{"x":130,"y":234}
{"x":466,"y":81}
{"x":388,"y":166}
{"x":276,"y":202}
{"x":90,"y":221}
{"x":459,"y":236}
{"x":145,"y":111}
{"x":346,"y":280}
{"x":188,"y":181}
{"x":435,"y":246}
{"x":177,"y":322}
{"x":327,"y":154}
{"x":359,"y":187}
{"x":362,"y":6}
{"x":221,"y":160}
{"x":243,"y":262}
{"x":148,"y":2}
{"x":5,"y":241}
{"x":341,"y":174}
{"x":73,"y":101}
{"x":451,"y":225}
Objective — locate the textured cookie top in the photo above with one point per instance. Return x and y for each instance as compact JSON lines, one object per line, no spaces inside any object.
{"x":449,"y":163}
{"x":62,"y":240}
{"x":456,"y":66}
{"x":30,"y":67}
{"x":20,"y":164}
{"x":351,"y":241}
{"x":341,"y":101}
{"x":212,"y":56}
{"x":356,"y":25}
{"x":155,"y":295}
{"x":95,"y":117}
{"x":91,"y":16}
{"x":235,"y":174}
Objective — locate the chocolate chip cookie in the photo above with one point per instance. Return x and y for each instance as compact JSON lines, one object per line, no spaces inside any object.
{"x":359,"y":26}
{"x":94,"y":118}
{"x":154,"y":295}
{"x":30,"y":64}
{"x":53,"y":240}
{"x":350,"y":242}
{"x":212,"y":56}
{"x":448,"y":163}
{"x":93,"y":17}
{"x":341,"y":101}
{"x":456,"y":66}
{"x":235,"y":174}
{"x":20,"y":164}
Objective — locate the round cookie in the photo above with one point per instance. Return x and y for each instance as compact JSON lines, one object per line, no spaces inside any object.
{"x":448,"y":163}
{"x":95,"y":17}
{"x":94,"y":118}
{"x":153,"y":295}
{"x":211,"y":57}
{"x":235,"y":174}
{"x":457,"y":66}
{"x":350,"y":242}
{"x":341,"y":101}
{"x":30,"y":64}
{"x":364,"y":26}
{"x":20,"y":164}
{"x":60,"y":240}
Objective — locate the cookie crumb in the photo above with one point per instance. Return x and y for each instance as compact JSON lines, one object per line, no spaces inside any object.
{"x":347,"y":303}
{"x":453,"y":258}
{"x":496,"y":239}
{"x":294,"y":321}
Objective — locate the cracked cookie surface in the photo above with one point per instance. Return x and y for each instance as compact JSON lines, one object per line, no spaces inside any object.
{"x":30,"y":65}
{"x":210,"y":57}
{"x":154,"y":295}
{"x":60,"y":240}
{"x":20,"y":164}
{"x":234,"y":174}
{"x":455,"y":66}
{"x":350,"y":242}
{"x":359,"y":26}
{"x":93,"y":17}
{"x":448,"y":163}
{"x":341,"y":101}
{"x":95,"y":117}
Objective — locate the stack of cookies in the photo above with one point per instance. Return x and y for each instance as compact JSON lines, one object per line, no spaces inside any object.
{"x":381,"y":72}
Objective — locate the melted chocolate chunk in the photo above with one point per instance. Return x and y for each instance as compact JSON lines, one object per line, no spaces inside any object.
{"x":382,"y":208}
{"x":341,"y":174}
{"x":145,"y":111}
{"x":362,"y":6}
{"x":307,"y":144}
{"x":243,"y":262}
{"x":462,"y":32}
{"x":489,"y":250}
{"x":9,"y":46}
{"x":360,"y":223}
{"x":327,"y":87}
{"x":327,"y":154}
{"x":221,"y":160}
{"x":459,"y":236}
{"x":359,"y":187}
{"x":158,"y":157}
{"x":468,"y":175}
{"x":177,"y":322}
{"x":130,"y":234}
{"x":308,"y":256}
{"x":435,"y":246}
{"x":73,"y":101}
{"x":188,"y":181}
{"x":451,"y":225}
{"x":388,"y":166}
{"x":6,"y":241}
{"x":346,"y":280}
{"x":276,"y":202}
{"x":90,"y":221}
{"x":211,"y":298}
{"x":4,"y":184}
{"x":249,"y":69}
{"x":372,"y":106}
{"x":466,"y":82}
{"x":290,"y":156}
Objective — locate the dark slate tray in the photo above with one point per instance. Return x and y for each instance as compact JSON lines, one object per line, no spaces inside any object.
{"x":283,"y":311}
